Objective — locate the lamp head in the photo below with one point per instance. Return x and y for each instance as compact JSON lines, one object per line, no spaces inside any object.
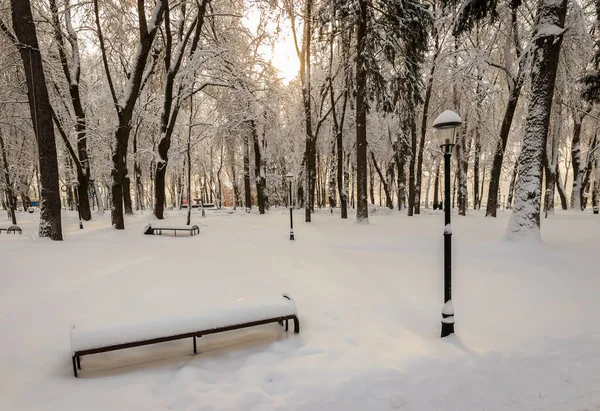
{"x":447,"y":124}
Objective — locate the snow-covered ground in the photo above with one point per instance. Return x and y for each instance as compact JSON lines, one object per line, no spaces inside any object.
{"x":369,"y":299}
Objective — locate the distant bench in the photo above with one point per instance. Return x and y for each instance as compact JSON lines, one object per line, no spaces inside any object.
{"x":158,"y":229}
{"x":13,"y":229}
{"x":239,"y":315}
{"x":206,"y":205}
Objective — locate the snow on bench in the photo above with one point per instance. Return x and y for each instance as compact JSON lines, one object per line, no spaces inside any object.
{"x":11,"y":229}
{"x":241,"y":314}
{"x":153,"y":228}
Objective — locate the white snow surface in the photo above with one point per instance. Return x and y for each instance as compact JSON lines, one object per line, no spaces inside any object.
{"x":368,"y":298}
{"x":448,"y":308}
{"x":86,"y":336}
{"x":447,"y":116}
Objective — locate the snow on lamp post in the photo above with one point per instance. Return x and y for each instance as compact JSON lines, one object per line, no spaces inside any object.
{"x":447,"y":124}
{"x":290,"y":178}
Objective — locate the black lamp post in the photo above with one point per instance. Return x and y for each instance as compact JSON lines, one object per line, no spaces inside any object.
{"x":447,"y":124}
{"x":290,"y":179}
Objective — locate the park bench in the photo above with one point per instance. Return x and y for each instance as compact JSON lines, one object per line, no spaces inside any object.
{"x":241,"y":314}
{"x":13,"y":229}
{"x":158,"y":229}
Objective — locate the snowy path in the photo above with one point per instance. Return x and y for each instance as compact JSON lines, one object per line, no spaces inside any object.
{"x":369,"y":299}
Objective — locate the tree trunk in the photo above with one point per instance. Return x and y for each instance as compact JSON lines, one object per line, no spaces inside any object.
{"x":436,"y":184}
{"x":310,"y":143}
{"x":388,"y":199}
{"x":411,"y":168}
{"x":424,"y":126}
{"x":72,"y":76}
{"x":147,"y":32}
{"x":10,"y":204}
{"x":372,"y":184}
{"x":463,"y":168}
{"x":511,"y":188}
{"x":551,"y":154}
{"x":587,"y":171}
{"x":513,"y":99}
{"x":428,"y":188}
{"x":596,"y":189}
{"x":362,"y":209}
{"x":39,"y":105}
{"x":247,"y":193}
{"x":576,"y":160}
{"x":331,"y":175}
{"x":258,"y":177}
{"x":524,"y":221}
{"x":561,"y":190}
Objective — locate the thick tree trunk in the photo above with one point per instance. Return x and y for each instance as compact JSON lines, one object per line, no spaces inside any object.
{"x":39,"y":105}
{"x":127,"y":203}
{"x":362,"y":209}
{"x":310,"y":143}
{"x":524,"y":221}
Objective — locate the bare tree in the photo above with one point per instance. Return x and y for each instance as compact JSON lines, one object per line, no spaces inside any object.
{"x":124,"y":107}
{"x":25,"y":39}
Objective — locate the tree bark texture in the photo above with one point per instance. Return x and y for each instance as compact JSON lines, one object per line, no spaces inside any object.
{"x":362,"y":209}
{"x":39,"y":105}
{"x":524,"y":221}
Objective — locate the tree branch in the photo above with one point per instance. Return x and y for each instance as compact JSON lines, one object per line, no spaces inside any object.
{"x":105,"y":58}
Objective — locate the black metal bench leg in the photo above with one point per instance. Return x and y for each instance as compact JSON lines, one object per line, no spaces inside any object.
{"x":286,"y":325}
{"x":194,"y":344}
{"x":78,"y":362}
{"x":296,"y":325}
{"x":74,"y":367}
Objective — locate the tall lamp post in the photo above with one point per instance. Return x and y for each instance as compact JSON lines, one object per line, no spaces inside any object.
{"x":290,"y":178}
{"x":447,"y":124}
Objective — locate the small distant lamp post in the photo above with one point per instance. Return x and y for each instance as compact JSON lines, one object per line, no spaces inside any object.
{"x":447,"y":124}
{"x":290,"y":178}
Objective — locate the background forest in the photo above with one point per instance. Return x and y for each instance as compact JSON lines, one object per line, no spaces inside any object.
{"x":125,"y":106}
